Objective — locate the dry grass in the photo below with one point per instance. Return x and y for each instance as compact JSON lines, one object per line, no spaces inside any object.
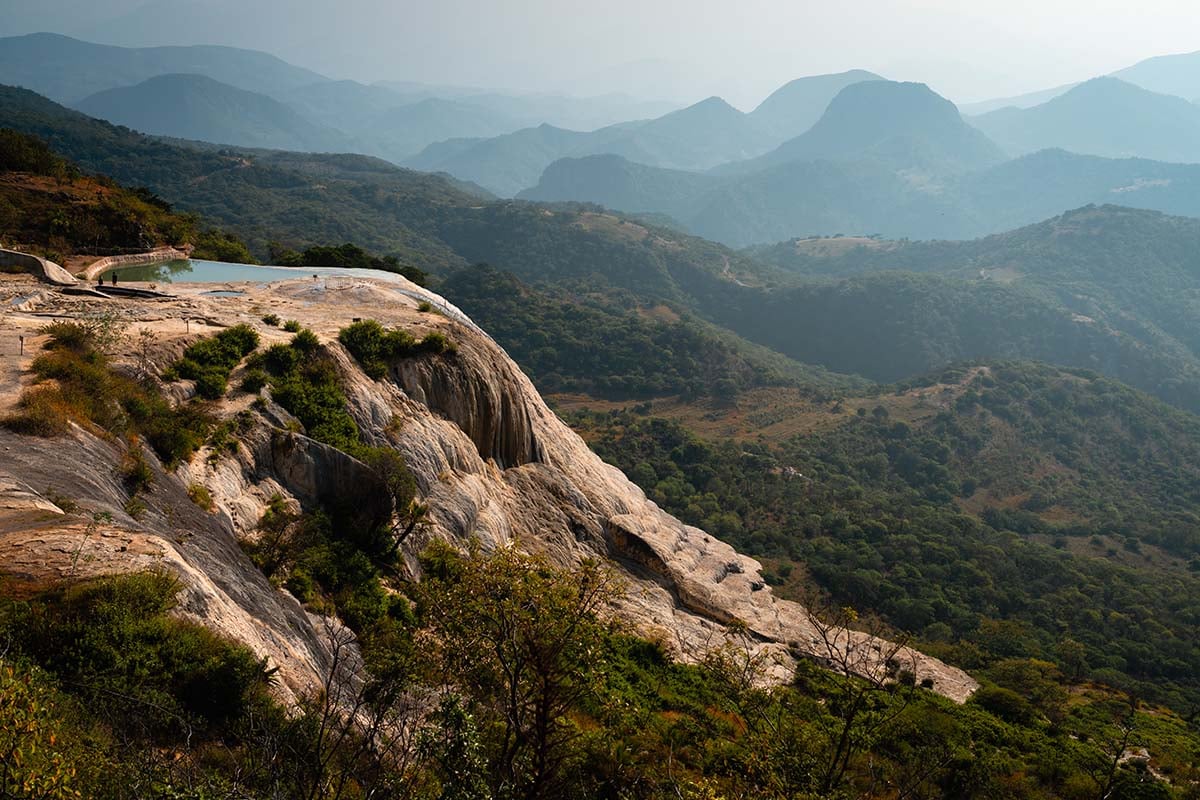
{"x":43,"y":411}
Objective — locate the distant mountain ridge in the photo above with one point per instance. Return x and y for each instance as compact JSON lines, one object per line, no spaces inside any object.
{"x":68,"y":70}
{"x":702,"y":136}
{"x":803,"y":198}
{"x":1106,"y":117}
{"x":888,"y":120}
{"x":198,"y":107}
{"x":797,"y":105}
{"x":1177,"y":74}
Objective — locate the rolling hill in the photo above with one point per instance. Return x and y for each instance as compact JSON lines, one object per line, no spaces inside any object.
{"x":197,"y":107}
{"x":429,"y":220}
{"x":1108,"y":288}
{"x":1177,"y":75}
{"x":699,"y":137}
{"x":863,"y":197}
{"x":1104,"y":117}
{"x":512,"y":162}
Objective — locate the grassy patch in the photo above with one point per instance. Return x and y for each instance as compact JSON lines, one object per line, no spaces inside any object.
{"x":198,"y":493}
{"x":76,"y":382}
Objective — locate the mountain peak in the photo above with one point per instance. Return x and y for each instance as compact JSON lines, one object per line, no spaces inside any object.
{"x":905,"y":124}
{"x":709,"y":106}
{"x":794,"y":107}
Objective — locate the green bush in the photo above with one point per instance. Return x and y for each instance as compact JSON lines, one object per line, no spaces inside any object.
{"x":198,"y":493}
{"x":89,"y":392}
{"x":216,"y":245}
{"x":373,"y":346}
{"x":272,"y":320}
{"x":112,"y":639}
{"x":208,"y":362}
{"x":307,"y":385}
{"x":253,"y":381}
{"x":292,"y":326}
{"x":437,"y":342}
{"x":136,"y":473}
{"x":306,"y":341}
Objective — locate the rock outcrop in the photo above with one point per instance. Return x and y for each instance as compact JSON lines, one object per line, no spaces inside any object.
{"x":491,"y":461}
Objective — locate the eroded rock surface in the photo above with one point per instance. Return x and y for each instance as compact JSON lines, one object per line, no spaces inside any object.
{"x":490,"y":459}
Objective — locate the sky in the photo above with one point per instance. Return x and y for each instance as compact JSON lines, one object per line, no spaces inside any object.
{"x":679,"y":50}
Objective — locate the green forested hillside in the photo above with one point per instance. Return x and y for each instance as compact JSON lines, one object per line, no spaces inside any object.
{"x":1108,"y":288}
{"x":593,"y":348}
{"x":996,"y":512}
{"x":890,"y":326}
{"x":69,"y":70}
{"x":300,"y":199}
{"x":49,"y":206}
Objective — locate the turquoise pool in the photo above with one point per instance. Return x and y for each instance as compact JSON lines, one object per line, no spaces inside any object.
{"x":198,"y":271}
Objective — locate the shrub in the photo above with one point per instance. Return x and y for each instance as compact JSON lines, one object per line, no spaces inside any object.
{"x":306,"y":341}
{"x":438,"y":343}
{"x":208,"y":362}
{"x":174,"y":433}
{"x":198,"y":493}
{"x":292,"y":326}
{"x":88,"y":391}
{"x":135,"y":507}
{"x":307,"y":386}
{"x":113,"y":639}
{"x":211,"y":382}
{"x":425,"y":307}
{"x":253,"y":381}
{"x":1004,"y":703}
{"x":136,"y":473}
{"x":272,"y":320}
{"x":373,"y":346}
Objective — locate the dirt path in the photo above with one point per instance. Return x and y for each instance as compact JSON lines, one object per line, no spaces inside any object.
{"x":727,"y":274}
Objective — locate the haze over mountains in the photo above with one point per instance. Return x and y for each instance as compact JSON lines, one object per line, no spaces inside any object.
{"x":1105,"y":117}
{"x":196,"y":107}
{"x":851,"y":152}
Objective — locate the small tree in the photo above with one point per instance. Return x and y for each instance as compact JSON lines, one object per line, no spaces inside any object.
{"x":523,"y":640}
{"x":407,"y":513}
{"x":872,"y":680}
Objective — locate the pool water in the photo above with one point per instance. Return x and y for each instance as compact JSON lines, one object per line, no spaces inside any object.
{"x":199,"y":271}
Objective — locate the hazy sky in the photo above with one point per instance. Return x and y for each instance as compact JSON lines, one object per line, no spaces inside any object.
{"x":668,"y":49}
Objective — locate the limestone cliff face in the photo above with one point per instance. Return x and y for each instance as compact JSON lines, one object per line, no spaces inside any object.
{"x":491,"y":461}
